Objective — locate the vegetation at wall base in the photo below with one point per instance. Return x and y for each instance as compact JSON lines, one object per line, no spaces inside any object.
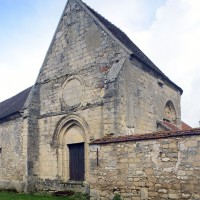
{"x":5,"y":195}
{"x":117,"y":197}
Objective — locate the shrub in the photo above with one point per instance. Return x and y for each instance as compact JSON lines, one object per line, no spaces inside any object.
{"x":117,"y":197}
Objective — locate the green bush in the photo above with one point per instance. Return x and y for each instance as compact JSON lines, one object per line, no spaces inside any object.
{"x":117,"y":197}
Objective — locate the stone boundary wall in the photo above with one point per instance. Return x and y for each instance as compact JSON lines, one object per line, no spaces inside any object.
{"x":153,"y":168}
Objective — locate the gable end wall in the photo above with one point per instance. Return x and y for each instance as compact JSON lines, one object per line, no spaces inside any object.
{"x":81,"y":50}
{"x":141,"y":100}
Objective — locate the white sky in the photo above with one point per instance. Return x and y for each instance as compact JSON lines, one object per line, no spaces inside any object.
{"x":167,"y":31}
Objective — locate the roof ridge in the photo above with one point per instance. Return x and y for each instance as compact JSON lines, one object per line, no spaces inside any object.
{"x":92,"y":9}
{"x":127,"y":43}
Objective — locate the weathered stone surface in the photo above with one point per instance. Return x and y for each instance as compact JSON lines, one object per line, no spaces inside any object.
{"x":90,"y":87}
{"x":144,"y":193}
{"x":150,"y":178}
{"x":13,"y":141}
{"x":174,"y":196}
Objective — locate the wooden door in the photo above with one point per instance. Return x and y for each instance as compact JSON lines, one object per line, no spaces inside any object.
{"x":76,"y":161}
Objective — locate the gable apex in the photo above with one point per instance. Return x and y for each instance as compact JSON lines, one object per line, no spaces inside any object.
{"x":116,"y":34}
{"x":96,"y":16}
{"x":124,"y":41}
{"x":53,"y":38}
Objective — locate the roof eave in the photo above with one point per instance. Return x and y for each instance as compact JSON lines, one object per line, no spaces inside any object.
{"x":132,"y":55}
{"x":9,"y":117}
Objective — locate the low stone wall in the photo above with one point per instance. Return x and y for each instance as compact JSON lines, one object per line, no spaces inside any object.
{"x":12,"y":185}
{"x":166,"y":168}
{"x":58,"y":185}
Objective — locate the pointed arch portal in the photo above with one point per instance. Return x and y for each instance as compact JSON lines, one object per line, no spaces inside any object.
{"x":70,"y":139}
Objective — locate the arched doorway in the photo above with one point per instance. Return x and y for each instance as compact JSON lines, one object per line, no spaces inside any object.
{"x":70,"y":140}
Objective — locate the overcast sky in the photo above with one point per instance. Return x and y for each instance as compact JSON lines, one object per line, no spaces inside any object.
{"x":167,"y":31}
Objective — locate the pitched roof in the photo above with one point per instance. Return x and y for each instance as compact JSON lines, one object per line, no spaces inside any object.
{"x":14,"y":104}
{"x":185,"y":126}
{"x":148,"y":136}
{"x":124,"y":39}
{"x":172,"y":127}
{"x":168,"y":126}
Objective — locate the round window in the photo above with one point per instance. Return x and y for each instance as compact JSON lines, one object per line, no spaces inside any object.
{"x":72,"y":92}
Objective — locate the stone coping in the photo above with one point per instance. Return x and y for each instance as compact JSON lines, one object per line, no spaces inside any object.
{"x":148,"y":136}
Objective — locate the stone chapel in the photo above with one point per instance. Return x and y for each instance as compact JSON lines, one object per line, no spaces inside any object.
{"x":94,"y":84}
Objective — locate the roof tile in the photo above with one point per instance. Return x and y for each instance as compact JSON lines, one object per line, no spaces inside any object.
{"x":13,"y":104}
{"x":185,"y":126}
{"x":148,"y":136}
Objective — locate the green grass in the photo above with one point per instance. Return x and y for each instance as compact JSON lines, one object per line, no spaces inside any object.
{"x":16,"y":196}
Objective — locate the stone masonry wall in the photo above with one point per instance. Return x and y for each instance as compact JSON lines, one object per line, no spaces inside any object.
{"x":150,"y":169}
{"x":31,"y":118}
{"x":78,"y":78}
{"x":72,"y":81}
{"x":13,"y":155}
{"x":80,"y":50}
{"x":48,"y":155}
{"x":141,"y":100}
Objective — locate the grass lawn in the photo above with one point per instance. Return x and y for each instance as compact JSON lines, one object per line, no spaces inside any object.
{"x":16,"y":196}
